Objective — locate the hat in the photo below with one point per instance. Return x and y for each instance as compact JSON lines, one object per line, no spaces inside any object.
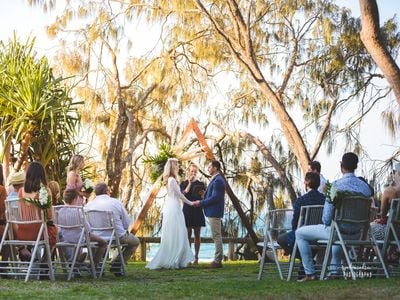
{"x":350,"y":161}
{"x":397,"y":167}
{"x":17,"y":178}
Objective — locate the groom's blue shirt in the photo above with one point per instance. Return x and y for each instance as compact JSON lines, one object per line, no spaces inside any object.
{"x":213,"y":203}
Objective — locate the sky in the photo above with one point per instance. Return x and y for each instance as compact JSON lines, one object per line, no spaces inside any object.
{"x":26,"y":20}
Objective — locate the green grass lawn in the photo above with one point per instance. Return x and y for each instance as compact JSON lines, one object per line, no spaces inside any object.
{"x":236,"y":280}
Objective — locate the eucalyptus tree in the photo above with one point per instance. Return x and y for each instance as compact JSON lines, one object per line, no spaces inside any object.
{"x":297,"y":62}
{"x":37,"y":115}
{"x":129,"y":99}
{"x":375,"y":43}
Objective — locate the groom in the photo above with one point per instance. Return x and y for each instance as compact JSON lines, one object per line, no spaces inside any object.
{"x":213,"y":205}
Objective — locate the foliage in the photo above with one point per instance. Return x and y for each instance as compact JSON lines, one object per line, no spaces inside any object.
{"x":334,"y":196}
{"x":157,"y":162}
{"x":37,"y":115}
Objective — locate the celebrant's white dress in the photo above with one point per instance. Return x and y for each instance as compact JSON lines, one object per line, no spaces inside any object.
{"x":174,"y":251}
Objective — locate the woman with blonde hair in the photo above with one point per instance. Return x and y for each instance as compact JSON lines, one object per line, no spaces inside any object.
{"x":174,"y":251}
{"x":55,"y":191}
{"x":74,"y":180}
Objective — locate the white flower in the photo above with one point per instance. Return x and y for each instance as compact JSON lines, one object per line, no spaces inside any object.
{"x":87,"y":184}
{"x":43,"y":195}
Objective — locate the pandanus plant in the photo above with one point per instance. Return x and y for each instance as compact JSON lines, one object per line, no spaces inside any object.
{"x":37,"y":115}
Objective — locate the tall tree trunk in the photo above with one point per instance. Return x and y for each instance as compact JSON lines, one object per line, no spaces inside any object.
{"x":372,"y":39}
{"x":114,"y":161}
{"x":240,"y":44}
{"x":26,"y":141}
{"x":270,"y":198}
{"x":7,"y":159}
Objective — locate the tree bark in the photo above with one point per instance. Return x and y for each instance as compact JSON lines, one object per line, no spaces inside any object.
{"x":372,"y":39}
{"x":241,"y":47}
{"x":26,"y":142}
{"x":114,"y":160}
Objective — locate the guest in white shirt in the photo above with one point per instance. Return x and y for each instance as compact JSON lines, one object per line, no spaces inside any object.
{"x":104,"y":202}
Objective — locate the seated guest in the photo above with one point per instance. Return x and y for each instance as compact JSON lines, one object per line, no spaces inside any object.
{"x":71,"y":197}
{"x":312,"y":197}
{"x":315,"y":166}
{"x":104,"y":202}
{"x":16,"y":180}
{"x":390,"y":192}
{"x":35,"y":176}
{"x":55,"y":193}
{"x":5,"y":252}
{"x":309,"y":234}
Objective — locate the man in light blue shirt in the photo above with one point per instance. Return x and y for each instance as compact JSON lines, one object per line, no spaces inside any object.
{"x":310,"y":234}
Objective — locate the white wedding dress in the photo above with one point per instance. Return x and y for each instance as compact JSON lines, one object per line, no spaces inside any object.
{"x":174,"y":251}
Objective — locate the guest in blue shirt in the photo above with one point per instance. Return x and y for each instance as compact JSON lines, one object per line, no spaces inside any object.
{"x":309,"y":234}
{"x":312,"y":197}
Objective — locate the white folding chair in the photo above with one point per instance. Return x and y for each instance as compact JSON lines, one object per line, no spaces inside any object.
{"x":102,"y":224}
{"x":71,"y":221}
{"x":355,"y":212}
{"x":278,"y":221}
{"x":25,"y":214}
{"x":392,"y":231}
{"x":309,"y":215}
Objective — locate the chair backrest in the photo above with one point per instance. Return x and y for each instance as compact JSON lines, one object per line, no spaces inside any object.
{"x":279,"y":221}
{"x":393,"y":228}
{"x":25,"y":221}
{"x":71,"y":223}
{"x":310,"y":215}
{"x":68,"y":216}
{"x":23,"y":213}
{"x":353,"y":212}
{"x":101,"y":223}
{"x":394,"y":213}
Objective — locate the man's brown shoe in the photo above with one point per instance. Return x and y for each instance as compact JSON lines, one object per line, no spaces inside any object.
{"x":308,"y":278}
{"x":215,"y":265}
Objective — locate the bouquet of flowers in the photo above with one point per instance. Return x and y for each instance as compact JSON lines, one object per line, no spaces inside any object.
{"x":87,"y":186}
{"x":43,"y":201}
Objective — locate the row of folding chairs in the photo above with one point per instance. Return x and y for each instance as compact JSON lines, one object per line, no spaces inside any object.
{"x":363,"y":255}
{"x":69,"y":218}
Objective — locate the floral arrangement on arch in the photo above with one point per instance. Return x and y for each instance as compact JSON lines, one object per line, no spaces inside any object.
{"x":157,"y":162}
{"x":43,"y":201}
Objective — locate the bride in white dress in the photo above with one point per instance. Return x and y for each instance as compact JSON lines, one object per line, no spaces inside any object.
{"x":174,"y":251}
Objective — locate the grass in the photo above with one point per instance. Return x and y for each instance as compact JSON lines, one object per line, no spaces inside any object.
{"x":236,"y":280}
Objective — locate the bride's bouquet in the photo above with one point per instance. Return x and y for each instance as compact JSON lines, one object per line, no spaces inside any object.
{"x":87,"y":186}
{"x":43,"y":201}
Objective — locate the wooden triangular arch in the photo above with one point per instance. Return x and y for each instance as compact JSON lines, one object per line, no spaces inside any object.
{"x":193,"y":127}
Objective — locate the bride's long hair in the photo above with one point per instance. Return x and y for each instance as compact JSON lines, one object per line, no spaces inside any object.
{"x":170,"y":169}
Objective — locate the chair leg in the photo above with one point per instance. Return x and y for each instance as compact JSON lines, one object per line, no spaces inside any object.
{"x":262,"y":260}
{"x":292,"y":261}
{"x":326,"y":260}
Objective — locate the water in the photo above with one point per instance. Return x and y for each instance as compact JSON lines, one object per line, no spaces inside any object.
{"x":206,"y":253}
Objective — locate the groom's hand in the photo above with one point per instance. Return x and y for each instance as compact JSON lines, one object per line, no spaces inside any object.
{"x":196,"y":203}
